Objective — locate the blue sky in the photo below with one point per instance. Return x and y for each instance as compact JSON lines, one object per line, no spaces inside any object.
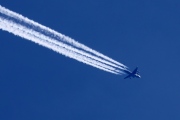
{"x":37,"y":83}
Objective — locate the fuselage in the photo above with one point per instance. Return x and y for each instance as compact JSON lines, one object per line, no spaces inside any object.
{"x":137,"y":75}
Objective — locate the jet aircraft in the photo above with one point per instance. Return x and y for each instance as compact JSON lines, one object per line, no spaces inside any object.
{"x":134,"y":74}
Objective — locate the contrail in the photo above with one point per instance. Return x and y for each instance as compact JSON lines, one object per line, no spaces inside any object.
{"x":57,"y":35}
{"x":83,"y":54}
{"x":23,"y":32}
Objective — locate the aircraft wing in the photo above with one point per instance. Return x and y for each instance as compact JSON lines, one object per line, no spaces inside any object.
{"x":135,"y":71}
{"x":129,"y":76}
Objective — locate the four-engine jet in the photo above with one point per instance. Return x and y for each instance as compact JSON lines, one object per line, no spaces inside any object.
{"x":134,"y":74}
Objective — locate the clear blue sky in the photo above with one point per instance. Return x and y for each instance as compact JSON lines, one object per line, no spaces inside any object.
{"x":39,"y":84}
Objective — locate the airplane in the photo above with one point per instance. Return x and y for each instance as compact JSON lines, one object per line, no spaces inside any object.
{"x":134,"y":74}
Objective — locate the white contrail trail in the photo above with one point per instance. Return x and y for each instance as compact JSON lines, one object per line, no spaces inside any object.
{"x":28,"y":29}
{"x":29,"y":34}
{"x":38,"y":34}
{"x":42,"y":37}
{"x":59,"y":36}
